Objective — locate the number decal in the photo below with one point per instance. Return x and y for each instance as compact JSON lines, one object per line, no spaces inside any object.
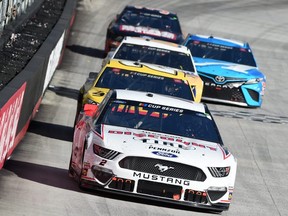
{"x":98,"y":93}
{"x":103,"y":162}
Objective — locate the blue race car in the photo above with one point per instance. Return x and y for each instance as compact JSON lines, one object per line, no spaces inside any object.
{"x":228,"y":70}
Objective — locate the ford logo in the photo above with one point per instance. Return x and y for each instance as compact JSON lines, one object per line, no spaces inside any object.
{"x":164,"y":154}
{"x":220,"y":78}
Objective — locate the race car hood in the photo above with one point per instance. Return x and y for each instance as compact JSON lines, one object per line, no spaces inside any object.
{"x":140,"y":31}
{"x":96,"y":94}
{"x":142,"y":143}
{"x":226,"y":69}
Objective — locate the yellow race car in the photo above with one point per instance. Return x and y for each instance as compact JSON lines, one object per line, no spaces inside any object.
{"x":123,"y":74}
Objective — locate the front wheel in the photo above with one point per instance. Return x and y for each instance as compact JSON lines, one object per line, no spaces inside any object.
{"x":82,"y":171}
{"x":79,"y":107}
{"x":70,"y":169}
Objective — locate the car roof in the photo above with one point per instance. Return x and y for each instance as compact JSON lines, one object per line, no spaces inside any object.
{"x":156,"y":43}
{"x":151,"y":10}
{"x":219,"y":40}
{"x":146,"y":68}
{"x":164,"y":100}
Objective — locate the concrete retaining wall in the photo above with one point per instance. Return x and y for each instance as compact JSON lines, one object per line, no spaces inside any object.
{"x":20,"y":99}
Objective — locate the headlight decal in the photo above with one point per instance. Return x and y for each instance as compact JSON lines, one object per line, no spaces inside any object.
{"x":254,"y":81}
{"x":219,"y":172}
{"x":104,"y":152}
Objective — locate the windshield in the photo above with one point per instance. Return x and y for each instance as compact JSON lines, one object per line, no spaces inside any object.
{"x":115,"y":78}
{"x":221,"y":52}
{"x":158,"y":118}
{"x":153,"y":20}
{"x":154,"y":55}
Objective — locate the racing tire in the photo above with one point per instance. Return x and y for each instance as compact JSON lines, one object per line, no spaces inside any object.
{"x":71,"y":172}
{"x":79,"y":107}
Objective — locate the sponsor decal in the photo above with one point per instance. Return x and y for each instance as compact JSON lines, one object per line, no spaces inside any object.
{"x":164,"y":179}
{"x":182,"y":143}
{"x":157,"y":49}
{"x":166,"y":150}
{"x":226,"y":86}
{"x":263,"y":88}
{"x":148,"y":31}
{"x":86,"y":165}
{"x":219,"y":46}
{"x":9,"y":117}
{"x":53,"y":61}
{"x":134,"y":73}
{"x":230,"y":196}
{"x":230,"y":193}
{"x":217,"y":86}
{"x":164,"y":154}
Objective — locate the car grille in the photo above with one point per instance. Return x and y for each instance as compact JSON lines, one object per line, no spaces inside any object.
{"x":163,"y":167}
{"x":223,"y":92}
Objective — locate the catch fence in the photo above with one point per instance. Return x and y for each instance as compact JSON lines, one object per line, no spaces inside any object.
{"x":11,"y":9}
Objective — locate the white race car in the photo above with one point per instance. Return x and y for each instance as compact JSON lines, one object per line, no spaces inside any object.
{"x":153,"y":146}
{"x":152,"y":51}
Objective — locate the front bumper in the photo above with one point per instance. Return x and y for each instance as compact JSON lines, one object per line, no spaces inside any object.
{"x":156,"y":187}
{"x":247,"y":95}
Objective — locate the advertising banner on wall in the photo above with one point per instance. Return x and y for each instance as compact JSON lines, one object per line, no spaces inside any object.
{"x":9,"y":117}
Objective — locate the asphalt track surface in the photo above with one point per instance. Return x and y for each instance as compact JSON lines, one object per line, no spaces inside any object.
{"x":35,"y":180}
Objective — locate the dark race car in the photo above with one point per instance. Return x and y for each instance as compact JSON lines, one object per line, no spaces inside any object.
{"x":143,"y":22}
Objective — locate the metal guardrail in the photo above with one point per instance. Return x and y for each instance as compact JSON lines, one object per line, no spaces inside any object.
{"x":11,"y":9}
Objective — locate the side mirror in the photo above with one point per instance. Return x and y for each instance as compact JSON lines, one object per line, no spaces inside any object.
{"x":108,"y":57}
{"x":110,"y":54}
{"x":90,"y":109}
{"x":93,"y":75}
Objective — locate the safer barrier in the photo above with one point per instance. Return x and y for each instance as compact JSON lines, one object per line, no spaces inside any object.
{"x":20,"y":99}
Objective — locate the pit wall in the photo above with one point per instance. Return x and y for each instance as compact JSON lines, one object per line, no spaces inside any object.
{"x":21,"y":98}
